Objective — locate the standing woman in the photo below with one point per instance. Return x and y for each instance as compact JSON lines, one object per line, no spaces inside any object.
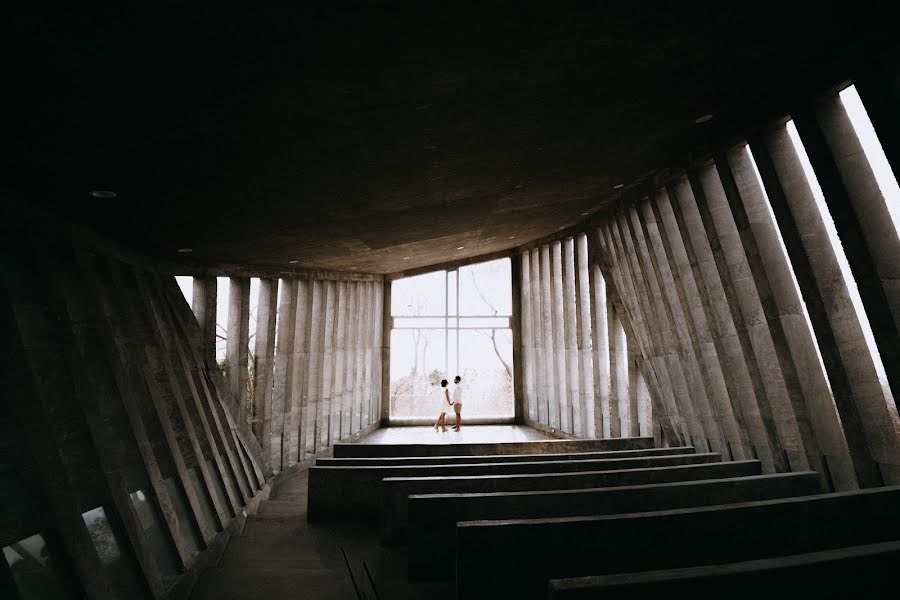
{"x":444,"y":399}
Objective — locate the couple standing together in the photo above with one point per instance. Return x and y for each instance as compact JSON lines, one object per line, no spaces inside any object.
{"x":452,"y":398}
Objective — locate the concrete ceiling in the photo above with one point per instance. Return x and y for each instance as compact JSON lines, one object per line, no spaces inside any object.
{"x":384,"y":136}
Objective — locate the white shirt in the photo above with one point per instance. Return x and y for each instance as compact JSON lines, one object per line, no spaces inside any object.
{"x":457,"y":394}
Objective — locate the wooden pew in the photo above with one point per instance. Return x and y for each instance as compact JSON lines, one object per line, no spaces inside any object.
{"x":355,"y":493}
{"x":400,"y":461}
{"x":490,"y":553}
{"x":358,"y":450}
{"x":433,"y":518}
{"x":867,"y":571}
{"x":398,"y":489}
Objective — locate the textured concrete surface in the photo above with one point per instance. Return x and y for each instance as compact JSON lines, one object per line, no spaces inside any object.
{"x":666,"y":539}
{"x":279,"y":556}
{"x":857,"y":571}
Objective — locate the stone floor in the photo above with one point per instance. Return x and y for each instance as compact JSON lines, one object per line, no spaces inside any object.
{"x":280,"y":556}
{"x":467,"y":435}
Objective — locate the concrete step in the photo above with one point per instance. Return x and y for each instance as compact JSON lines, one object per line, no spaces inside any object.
{"x":355,"y":493}
{"x":489,"y":553}
{"x":362,"y":450}
{"x":855,"y":571}
{"x":398,"y":489}
{"x":433,"y":518}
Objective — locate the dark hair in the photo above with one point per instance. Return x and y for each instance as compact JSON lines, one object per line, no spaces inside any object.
{"x":443,"y":383}
{"x":457,"y":379}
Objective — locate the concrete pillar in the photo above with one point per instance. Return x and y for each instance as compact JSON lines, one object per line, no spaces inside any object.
{"x":585,"y":361}
{"x":570,"y":301}
{"x":370,"y":336}
{"x":868,"y":413}
{"x":645,"y":334}
{"x":300,"y":373}
{"x":799,"y":448}
{"x":359,"y":384}
{"x":282,"y":417}
{"x":527,"y":343}
{"x":340,"y":340}
{"x":559,"y":413}
{"x":385,"y":330}
{"x":644,"y":403}
{"x":727,"y":331}
{"x":549,"y":360}
{"x":600,"y":354}
{"x":378,"y":309}
{"x":518,"y":343}
{"x":634,"y":411}
{"x":327,"y":377}
{"x":263,"y":367}
{"x":798,"y":336}
{"x":862,"y":221}
{"x":204,"y":306}
{"x":237,"y":344}
{"x":709,"y":393}
{"x":614,"y":328}
{"x":314,"y":382}
{"x":657,"y":320}
{"x":539,"y":401}
{"x":351,"y":326}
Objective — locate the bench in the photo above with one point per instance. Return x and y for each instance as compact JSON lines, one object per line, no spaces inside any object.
{"x":362,"y":450}
{"x":490,"y":553}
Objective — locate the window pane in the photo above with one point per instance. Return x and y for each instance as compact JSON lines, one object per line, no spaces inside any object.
{"x":123,"y":574}
{"x":486,"y":370}
{"x":40,"y":569}
{"x":418,"y":363}
{"x":420,"y":295}
{"x":484,"y":322}
{"x":486,"y":288}
{"x":157,"y":537}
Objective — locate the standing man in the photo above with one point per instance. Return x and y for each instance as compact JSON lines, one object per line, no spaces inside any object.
{"x":457,"y":400}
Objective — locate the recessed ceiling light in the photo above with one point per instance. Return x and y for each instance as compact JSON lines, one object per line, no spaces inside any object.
{"x":561,"y":228}
{"x":703,"y":119}
{"x":460,"y":247}
{"x":185,"y":250}
{"x":103,"y":194}
{"x":618,"y":186}
{"x":405,"y":258}
{"x":584,"y":213}
{"x":353,"y":268}
{"x":512,"y":237}
{"x":293,"y":262}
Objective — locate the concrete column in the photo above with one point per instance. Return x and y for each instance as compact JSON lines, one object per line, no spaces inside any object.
{"x":378,"y":308}
{"x":797,"y":446}
{"x":518,"y":350}
{"x":237,"y":344}
{"x":644,"y":403}
{"x":634,"y":411}
{"x":314,"y":382}
{"x":600,"y":344}
{"x":658,"y":324}
{"x":282,"y":422}
{"x":694,"y":302}
{"x":359,"y":384}
{"x":867,"y":410}
{"x":862,"y":221}
{"x":823,"y":414}
{"x":370,"y":319}
{"x":327,"y":378}
{"x":585,"y":361}
{"x":204,"y":307}
{"x":645,"y":333}
{"x":385,"y":330}
{"x":716,"y":402}
{"x":538,"y":399}
{"x":263,"y":367}
{"x":340,"y":355}
{"x":550,"y":390}
{"x":619,"y":348}
{"x":570,"y":301}
{"x":528,"y":348}
{"x":728,"y":333}
{"x":559,"y":411}
{"x":300,"y":371}
{"x":350,"y":412}
{"x":615,"y":372}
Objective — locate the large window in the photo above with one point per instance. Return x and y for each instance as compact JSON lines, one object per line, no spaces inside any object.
{"x":449,"y":323}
